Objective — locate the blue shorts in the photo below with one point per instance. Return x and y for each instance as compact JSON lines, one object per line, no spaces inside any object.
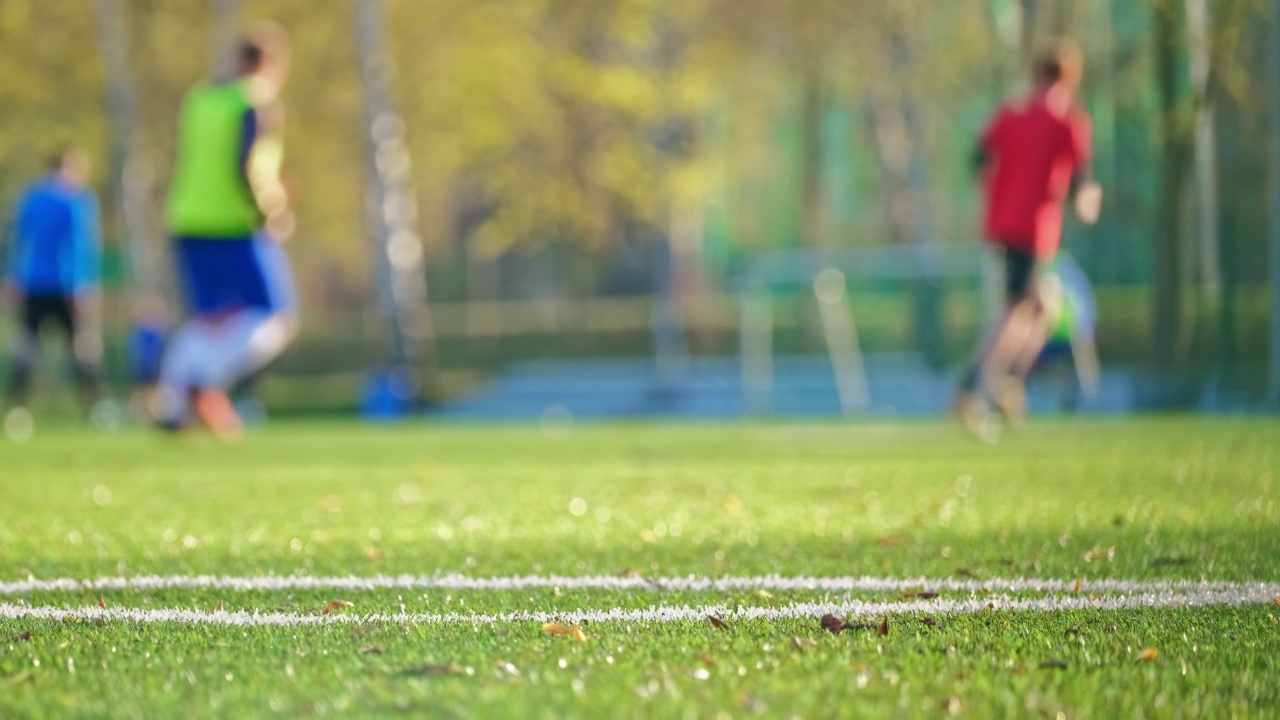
{"x":224,"y":275}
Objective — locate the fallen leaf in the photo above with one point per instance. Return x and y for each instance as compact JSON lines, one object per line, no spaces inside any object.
{"x":706,"y":659}
{"x":102,"y":603}
{"x":991,"y":605}
{"x":219,"y":608}
{"x":1273,"y":618}
{"x":927,"y":595}
{"x":950,"y":706}
{"x":1277,"y":600}
{"x":721,"y":624}
{"x":930,"y":622}
{"x":578,"y":634}
{"x":555,"y":628}
{"x":764,"y":594}
{"x":832,"y":624}
{"x":1022,"y":670}
{"x":800,"y":643}
{"x":884,"y":627}
{"x":985,"y":590}
{"x":335,"y":605}
{"x":372,"y":650}
{"x":24,"y":636}
{"x":64,"y":644}
{"x":1079,"y":583}
{"x":1148,"y":654}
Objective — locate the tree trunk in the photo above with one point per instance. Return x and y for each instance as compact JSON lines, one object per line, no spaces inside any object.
{"x":1273,"y":74}
{"x":1167,"y":249}
{"x":1206,"y":176}
{"x":130,"y":178}
{"x":392,"y":207}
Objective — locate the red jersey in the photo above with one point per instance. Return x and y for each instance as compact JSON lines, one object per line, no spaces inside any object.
{"x":1032,"y":150}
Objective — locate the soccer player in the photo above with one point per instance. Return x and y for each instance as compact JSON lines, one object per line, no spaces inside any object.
{"x":228,"y":214}
{"x":54,"y":268}
{"x":1033,"y":156}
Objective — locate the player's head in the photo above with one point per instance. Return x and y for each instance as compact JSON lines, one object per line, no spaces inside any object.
{"x":1059,"y":63}
{"x":72,"y":165}
{"x":264,"y":53}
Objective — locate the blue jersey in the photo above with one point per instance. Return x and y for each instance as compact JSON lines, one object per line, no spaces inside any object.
{"x":56,"y":247}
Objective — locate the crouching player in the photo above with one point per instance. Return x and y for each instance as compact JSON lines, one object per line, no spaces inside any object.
{"x":228,"y":215}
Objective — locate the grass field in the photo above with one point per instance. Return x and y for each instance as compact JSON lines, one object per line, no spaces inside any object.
{"x":453,"y":546}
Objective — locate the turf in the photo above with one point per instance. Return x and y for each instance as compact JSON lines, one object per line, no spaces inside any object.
{"x":1152,"y":499}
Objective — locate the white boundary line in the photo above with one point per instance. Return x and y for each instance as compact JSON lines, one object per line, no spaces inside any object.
{"x":629,"y":582}
{"x":653,"y":614}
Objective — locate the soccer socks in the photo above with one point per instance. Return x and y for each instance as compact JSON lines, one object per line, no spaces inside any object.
{"x":181,"y":369}
{"x":244,"y":344}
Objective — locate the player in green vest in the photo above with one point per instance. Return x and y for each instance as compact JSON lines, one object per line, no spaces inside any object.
{"x":228,"y":215}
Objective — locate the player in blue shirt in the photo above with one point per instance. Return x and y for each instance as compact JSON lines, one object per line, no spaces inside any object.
{"x":54,"y":263}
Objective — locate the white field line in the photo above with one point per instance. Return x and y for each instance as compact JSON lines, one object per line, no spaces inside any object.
{"x":629,"y":582}
{"x":653,"y":614}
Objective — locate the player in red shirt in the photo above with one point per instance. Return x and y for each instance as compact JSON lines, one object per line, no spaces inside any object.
{"x":1033,"y":157}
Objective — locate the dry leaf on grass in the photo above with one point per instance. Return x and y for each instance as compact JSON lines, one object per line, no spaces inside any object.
{"x":1079,"y":583}
{"x":721,"y":624}
{"x":555,"y":628}
{"x":24,"y":636}
{"x":706,"y":659}
{"x":951,"y":705}
{"x":1277,"y":600}
{"x":219,"y":607}
{"x":764,"y":594}
{"x":102,"y":603}
{"x":800,"y":643}
{"x":832,"y":624}
{"x":335,"y":605}
{"x":883,"y":630}
{"x":1147,"y":654}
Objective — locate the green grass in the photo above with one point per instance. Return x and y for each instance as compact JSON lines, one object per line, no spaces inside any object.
{"x":1175,"y":498}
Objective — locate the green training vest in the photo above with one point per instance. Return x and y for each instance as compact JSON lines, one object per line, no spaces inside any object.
{"x":209,"y":196}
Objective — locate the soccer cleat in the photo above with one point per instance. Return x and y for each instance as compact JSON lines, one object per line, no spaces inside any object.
{"x":218,"y":413}
{"x":974,"y":413}
{"x":1011,"y":401}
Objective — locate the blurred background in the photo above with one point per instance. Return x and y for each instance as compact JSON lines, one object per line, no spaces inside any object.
{"x":590,"y":208}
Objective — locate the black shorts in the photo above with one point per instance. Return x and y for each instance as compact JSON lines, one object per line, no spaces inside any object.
{"x":39,"y":309}
{"x":1021,"y":269}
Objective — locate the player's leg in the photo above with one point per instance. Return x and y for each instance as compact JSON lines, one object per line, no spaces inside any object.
{"x":182,"y":366}
{"x":82,"y":333}
{"x":25,"y":349}
{"x":1023,"y":331}
{"x":256,"y":334}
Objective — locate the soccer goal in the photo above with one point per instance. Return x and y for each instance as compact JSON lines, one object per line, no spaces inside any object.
{"x":832,"y":278}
